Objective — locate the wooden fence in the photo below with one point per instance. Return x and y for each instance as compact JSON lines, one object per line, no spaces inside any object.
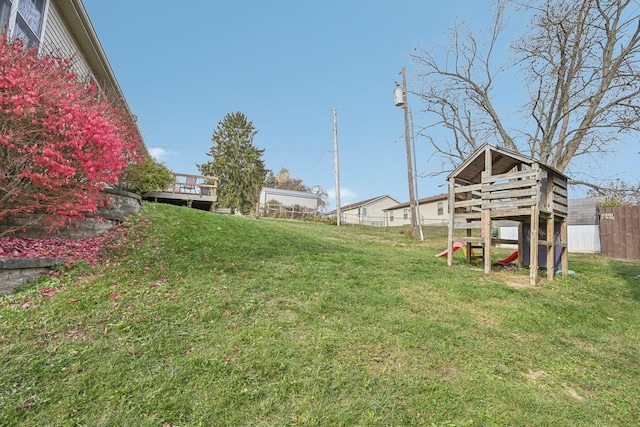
{"x":620,"y":231}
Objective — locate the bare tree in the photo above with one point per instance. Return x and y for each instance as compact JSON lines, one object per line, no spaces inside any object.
{"x":618,"y":193}
{"x":579,"y":62}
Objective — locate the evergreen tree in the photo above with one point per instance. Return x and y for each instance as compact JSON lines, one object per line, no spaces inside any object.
{"x":236,"y":162}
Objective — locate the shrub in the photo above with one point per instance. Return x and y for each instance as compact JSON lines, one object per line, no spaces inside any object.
{"x":60,"y":143}
{"x":146,"y":176}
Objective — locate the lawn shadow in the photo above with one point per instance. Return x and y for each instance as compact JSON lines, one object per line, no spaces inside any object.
{"x":629,"y":271}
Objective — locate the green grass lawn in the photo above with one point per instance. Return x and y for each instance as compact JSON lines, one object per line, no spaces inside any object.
{"x":200,"y":319}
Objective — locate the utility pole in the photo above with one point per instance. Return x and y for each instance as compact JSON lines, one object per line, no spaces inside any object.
{"x":415,"y":177}
{"x":412,"y":195}
{"x":336,"y":164}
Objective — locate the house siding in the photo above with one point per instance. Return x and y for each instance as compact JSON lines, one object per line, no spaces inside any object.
{"x":583,"y":211}
{"x":58,"y":41}
{"x":428,"y":213}
{"x":375,"y":212}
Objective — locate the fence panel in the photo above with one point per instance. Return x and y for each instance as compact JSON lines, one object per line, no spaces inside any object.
{"x":620,"y":231}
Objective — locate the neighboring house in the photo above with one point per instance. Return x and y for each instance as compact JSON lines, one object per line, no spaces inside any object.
{"x":433,"y":211}
{"x":287,"y":198}
{"x":367,"y":212}
{"x":61,"y":28}
{"x":582,"y":226}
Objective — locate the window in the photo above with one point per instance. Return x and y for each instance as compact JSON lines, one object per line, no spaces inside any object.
{"x":364,"y":211}
{"x":440,"y":208}
{"x":391,"y":216}
{"x":24,"y":19}
{"x":406,"y":214}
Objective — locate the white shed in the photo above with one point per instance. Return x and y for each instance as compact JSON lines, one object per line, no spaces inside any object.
{"x":288,"y":198}
{"x":583,"y":231}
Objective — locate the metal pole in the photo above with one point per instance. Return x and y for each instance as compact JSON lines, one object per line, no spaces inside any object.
{"x":336,"y":164}
{"x":407,"y":134}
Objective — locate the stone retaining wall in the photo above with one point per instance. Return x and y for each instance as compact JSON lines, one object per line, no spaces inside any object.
{"x":16,"y":272}
{"x":122,"y":205}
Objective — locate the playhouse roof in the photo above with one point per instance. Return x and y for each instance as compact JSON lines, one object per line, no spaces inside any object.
{"x":502,"y":161}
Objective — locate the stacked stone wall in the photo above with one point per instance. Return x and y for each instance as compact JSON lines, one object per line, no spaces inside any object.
{"x":123,"y":204}
{"x":16,"y":272}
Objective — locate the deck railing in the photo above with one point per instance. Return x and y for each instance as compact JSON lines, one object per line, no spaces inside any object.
{"x":194,"y":184}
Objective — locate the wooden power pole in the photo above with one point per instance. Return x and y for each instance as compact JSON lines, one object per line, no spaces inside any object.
{"x":336,"y":164}
{"x":415,"y":232}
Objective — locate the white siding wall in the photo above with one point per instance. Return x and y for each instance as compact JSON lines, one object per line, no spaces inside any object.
{"x":58,"y":41}
{"x":398,"y":217}
{"x":582,"y":238}
{"x":290,"y":200}
{"x":375,"y":215}
{"x":509,"y":233}
{"x":428,"y":213}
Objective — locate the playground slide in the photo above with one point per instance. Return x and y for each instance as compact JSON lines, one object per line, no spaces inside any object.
{"x":510,"y":258}
{"x":456,"y":246}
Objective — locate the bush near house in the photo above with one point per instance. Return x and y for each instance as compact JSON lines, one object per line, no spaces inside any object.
{"x":146,"y":176}
{"x":61,"y":141}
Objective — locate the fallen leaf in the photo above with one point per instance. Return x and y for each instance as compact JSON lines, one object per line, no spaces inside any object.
{"x":114,"y":296}
{"x":28,"y":403}
{"x":47,"y":292}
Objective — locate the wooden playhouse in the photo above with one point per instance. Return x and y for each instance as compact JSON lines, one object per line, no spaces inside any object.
{"x":495,"y":185}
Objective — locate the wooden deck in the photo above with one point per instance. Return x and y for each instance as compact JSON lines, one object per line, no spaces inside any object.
{"x":194,"y":191}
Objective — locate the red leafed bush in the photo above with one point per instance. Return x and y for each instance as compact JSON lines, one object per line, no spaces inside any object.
{"x":61,"y":141}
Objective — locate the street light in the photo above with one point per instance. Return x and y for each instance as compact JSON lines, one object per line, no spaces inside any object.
{"x":400,"y":98}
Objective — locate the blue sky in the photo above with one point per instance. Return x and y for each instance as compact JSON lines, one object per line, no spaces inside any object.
{"x":285,"y":64}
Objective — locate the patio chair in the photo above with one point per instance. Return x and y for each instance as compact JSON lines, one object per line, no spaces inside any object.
{"x":189,"y":186}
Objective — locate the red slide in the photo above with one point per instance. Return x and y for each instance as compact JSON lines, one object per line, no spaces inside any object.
{"x":456,"y":246}
{"x":509,"y":259}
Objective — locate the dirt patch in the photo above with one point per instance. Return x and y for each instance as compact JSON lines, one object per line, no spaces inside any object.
{"x":571,"y":392}
{"x":518,"y":281}
{"x":385,"y":241}
{"x":534,"y":375}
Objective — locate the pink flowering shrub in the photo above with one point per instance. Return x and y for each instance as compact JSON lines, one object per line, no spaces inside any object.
{"x":60,"y":142}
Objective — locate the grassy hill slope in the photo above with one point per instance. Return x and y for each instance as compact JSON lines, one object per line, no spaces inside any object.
{"x":198,"y":319}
